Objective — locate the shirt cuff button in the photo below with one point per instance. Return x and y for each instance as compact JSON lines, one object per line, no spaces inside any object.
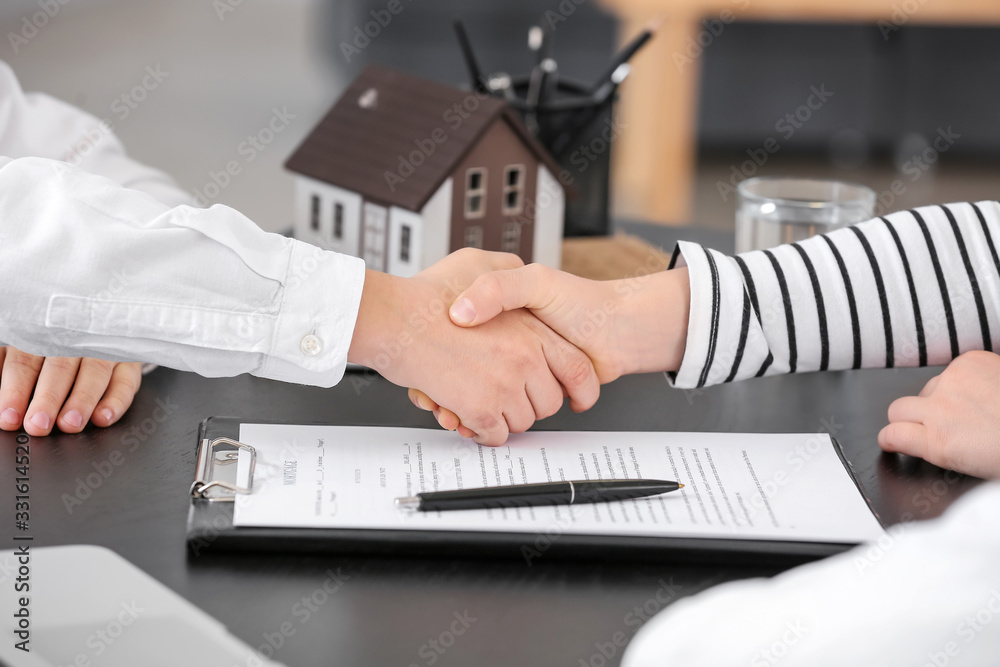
{"x":311,"y":345}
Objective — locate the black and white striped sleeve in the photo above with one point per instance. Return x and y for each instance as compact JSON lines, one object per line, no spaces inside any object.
{"x":913,"y":288}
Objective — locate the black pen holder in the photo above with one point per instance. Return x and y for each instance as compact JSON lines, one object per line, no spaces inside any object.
{"x":579,"y":132}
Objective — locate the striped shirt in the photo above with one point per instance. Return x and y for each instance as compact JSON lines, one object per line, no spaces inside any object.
{"x":913,"y":288}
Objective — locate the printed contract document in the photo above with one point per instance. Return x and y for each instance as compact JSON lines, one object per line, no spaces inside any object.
{"x":736,"y":485}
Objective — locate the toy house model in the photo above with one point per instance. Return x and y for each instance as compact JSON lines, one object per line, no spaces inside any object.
{"x":402,"y":171}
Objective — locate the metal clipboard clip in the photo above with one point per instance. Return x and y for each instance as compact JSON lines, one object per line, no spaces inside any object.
{"x":215,"y":475}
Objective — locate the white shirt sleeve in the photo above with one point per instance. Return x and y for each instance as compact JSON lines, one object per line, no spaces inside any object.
{"x":94,"y":269}
{"x":101,"y":257}
{"x":927,"y":593}
{"x":913,"y":288}
{"x":37,"y":125}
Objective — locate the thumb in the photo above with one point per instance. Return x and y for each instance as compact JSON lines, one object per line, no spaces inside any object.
{"x":493,"y":293}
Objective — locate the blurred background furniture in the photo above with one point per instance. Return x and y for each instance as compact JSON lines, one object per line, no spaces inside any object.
{"x":655,"y":163}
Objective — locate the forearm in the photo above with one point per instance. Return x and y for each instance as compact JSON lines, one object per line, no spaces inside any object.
{"x":94,"y":269}
{"x":379,"y":321}
{"x":651,"y":319}
{"x":905,"y":290}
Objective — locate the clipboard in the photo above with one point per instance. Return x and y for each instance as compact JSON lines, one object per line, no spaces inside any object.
{"x":210,"y":527}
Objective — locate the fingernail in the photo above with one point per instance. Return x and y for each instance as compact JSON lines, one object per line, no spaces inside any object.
{"x":463,"y":312}
{"x":41,"y":420}
{"x":73,"y":418}
{"x":9,"y":416}
{"x":108,"y":415}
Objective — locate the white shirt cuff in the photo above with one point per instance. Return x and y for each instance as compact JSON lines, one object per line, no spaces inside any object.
{"x":315,"y":324}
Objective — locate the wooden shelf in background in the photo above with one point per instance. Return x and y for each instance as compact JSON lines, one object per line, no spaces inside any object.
{"x":654,"y":161}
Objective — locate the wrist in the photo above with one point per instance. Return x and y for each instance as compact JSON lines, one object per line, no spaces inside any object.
{"x":654,"y":321}
{"x":378,"y":318}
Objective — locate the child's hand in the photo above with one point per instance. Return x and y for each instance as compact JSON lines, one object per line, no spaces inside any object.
{"x":955,"y":421}
{"x":45,"y":392}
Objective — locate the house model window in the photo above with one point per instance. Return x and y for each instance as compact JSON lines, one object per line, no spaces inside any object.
{"x":474,"y":236}
{"x":338,"y":221}
{"x":404,"y":243}
{"x":510,"y":239}
{"x":314,"y":214}
{"x":513,"y":189}
{"x":475,"y":193}
{"x":375,"y":198}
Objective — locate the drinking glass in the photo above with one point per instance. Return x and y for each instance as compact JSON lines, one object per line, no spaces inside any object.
{"x":773,"y":211}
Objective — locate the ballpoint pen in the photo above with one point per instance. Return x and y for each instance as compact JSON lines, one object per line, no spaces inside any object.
{"x":545,"y":493}
{"x":476,"y":79}
{"x":579,"y":121}
{"x":536,"y":89}
{"x":623,"y":56}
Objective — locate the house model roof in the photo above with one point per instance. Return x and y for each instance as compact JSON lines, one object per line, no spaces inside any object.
{"x":386,"y":116}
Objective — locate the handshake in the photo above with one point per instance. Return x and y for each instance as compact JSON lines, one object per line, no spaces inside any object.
{"x":491,"y":345}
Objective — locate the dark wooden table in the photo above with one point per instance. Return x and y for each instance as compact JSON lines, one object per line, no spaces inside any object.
{"x":126,"y":488}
